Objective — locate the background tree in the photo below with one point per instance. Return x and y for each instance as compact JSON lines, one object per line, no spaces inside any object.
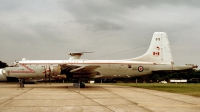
{"x":197,"y":74}
{"x":159,"y":76}
{"x":3,"y":64}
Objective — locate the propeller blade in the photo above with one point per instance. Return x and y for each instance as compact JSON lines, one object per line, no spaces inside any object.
{"x":45,"y":74}
{"x":49,"y":75}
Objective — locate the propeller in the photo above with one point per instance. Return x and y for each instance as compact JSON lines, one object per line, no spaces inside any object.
{"x":49,"y":75}
{"x":45,"y":74}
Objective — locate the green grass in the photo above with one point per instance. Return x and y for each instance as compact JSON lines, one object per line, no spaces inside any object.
{"x":187,"y":89}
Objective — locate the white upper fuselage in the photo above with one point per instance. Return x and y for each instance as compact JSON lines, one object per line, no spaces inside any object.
{"x":107,"y":68}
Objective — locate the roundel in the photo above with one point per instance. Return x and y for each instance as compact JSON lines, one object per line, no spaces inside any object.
{"x":140,"y":68}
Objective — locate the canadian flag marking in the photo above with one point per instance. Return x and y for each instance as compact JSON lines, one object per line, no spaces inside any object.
{"x":156,"y":53}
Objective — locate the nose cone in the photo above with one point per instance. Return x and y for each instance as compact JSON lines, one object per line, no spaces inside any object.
{"x":2,"y":76}
{"x":1,"y":71}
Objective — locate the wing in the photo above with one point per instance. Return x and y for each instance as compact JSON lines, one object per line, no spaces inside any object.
{"x":84,"y":69}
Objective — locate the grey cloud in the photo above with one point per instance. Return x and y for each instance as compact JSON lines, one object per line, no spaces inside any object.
{"x":100,"y":25}
{"x":156,"y":3}
{"x":95,"y":14}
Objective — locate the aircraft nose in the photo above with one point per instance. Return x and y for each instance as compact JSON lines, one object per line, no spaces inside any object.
{"x":2,"y":76}
{"x":1,"y":71}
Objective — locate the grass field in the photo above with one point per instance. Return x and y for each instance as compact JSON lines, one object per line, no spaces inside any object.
{"x":187,"y":89}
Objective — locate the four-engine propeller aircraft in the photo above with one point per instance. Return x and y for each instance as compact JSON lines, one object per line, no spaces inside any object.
{"x":157,"y":58}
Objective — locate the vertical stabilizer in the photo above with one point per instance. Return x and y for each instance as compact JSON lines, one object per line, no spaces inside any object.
{"x":159,"y":50}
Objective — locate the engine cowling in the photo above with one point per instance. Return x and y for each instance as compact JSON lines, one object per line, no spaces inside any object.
{"x":56,"y":70}
{"x":59,"y":77}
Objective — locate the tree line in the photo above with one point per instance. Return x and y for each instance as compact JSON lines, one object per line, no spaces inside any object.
{"x":186,"y":74}
{"x":3,"y":64}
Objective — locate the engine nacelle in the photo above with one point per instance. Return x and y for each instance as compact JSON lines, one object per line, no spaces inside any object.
{"x":56,"y":70}
{"x":59,"y":77}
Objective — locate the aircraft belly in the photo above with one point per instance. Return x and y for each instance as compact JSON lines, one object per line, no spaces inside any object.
{"x":123,"y":71}
{"x":25,"y":75}
{"x":2,"y":77}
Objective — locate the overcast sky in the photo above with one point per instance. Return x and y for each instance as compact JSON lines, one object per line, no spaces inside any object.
{"x":113,"y":29}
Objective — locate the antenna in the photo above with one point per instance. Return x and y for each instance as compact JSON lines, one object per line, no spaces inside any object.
{"x":77,"y":55}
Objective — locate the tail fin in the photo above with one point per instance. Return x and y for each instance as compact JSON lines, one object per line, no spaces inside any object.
{"x":159,"y":50}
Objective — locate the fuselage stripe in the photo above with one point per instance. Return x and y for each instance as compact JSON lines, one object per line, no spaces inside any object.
{"x":29,"y":70}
